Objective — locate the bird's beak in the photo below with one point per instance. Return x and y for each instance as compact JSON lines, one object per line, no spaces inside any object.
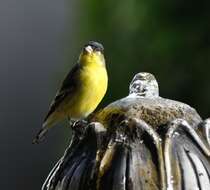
{"x":88,"y":49}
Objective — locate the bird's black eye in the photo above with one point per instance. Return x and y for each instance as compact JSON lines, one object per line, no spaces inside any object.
{"x":98,"y":50}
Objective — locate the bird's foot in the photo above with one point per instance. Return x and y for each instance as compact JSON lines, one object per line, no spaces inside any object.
{"x":79,"y":127}
{"x":70,"y":122}
{"x":79,"y":124}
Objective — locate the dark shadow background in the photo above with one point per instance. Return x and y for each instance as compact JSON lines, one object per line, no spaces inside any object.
{"x":40,"y":40}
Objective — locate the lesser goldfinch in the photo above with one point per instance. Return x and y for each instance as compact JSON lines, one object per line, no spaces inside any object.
{"x":82,"y":89}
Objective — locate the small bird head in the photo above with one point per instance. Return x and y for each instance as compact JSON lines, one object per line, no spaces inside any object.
{"x":93,"y":52}
{"x":92,"y":47}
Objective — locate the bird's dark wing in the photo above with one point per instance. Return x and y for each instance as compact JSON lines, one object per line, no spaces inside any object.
{"x":68,"y":86}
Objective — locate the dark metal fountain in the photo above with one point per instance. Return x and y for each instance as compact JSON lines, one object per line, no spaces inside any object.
{"x":140,"y":142}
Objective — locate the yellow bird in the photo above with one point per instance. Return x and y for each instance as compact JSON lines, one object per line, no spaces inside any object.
{"x":81,"y":91}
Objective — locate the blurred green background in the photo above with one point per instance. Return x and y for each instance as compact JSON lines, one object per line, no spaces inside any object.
{"x":167,"y":38}
{"x":41,"y":40}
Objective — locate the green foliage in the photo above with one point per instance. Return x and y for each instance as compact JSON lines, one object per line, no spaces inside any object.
{"x":167,"y":38}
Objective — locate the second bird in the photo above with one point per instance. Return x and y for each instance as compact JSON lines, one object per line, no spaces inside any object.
{"x":82,"y":89}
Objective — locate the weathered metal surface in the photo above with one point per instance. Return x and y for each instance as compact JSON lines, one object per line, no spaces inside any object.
{"x":141,"y":142}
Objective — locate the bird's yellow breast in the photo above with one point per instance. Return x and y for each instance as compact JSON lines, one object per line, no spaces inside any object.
{"x":93,"y":85}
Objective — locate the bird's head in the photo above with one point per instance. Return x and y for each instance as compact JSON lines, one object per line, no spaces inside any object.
{"x":92,"y":53}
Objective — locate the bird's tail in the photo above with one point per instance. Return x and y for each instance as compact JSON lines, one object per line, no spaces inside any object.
{"x":40,"y":135}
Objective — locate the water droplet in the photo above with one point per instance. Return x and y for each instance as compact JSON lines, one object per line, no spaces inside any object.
{"x":144,"y":85}
{"x":141,"y":141}
{"x":172,"y":180}
{"x":200,"y":174}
